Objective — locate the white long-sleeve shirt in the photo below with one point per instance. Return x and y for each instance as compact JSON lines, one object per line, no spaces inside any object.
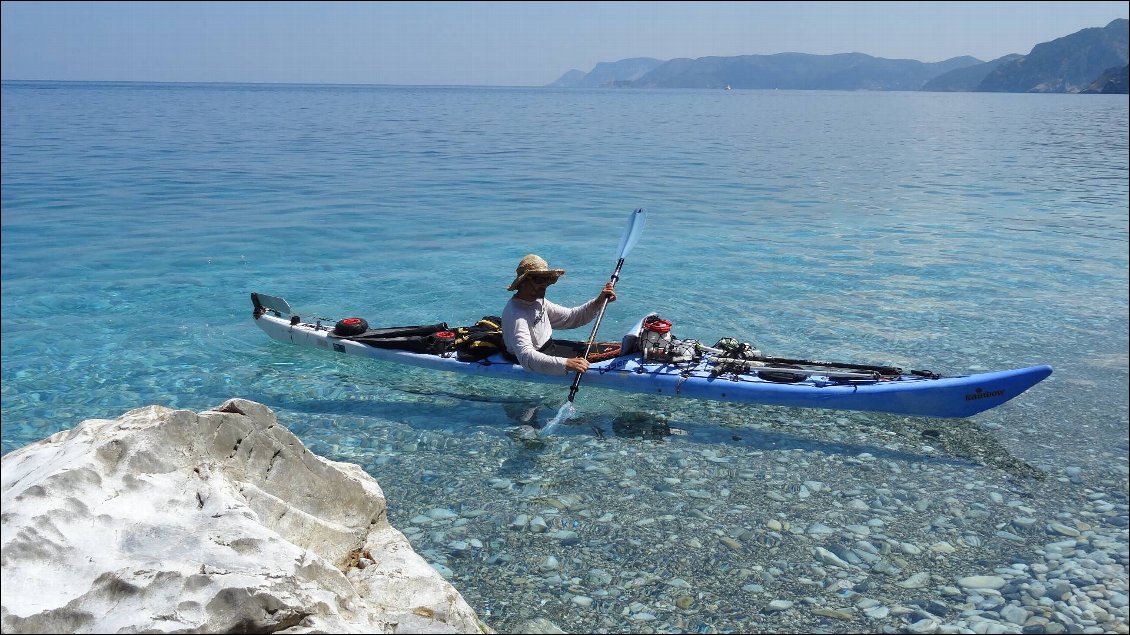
{"x":528,"y":326}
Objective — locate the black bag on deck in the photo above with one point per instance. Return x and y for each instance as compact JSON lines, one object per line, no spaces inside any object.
{"x":481,"y":340}
{"x":398,"y":331}
{"x":434,"y":339}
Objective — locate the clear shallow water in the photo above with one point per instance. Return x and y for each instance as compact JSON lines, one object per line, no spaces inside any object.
{"x":955,"y":232}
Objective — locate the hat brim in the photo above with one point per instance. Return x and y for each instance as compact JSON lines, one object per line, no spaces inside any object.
{"x":518,"y":281}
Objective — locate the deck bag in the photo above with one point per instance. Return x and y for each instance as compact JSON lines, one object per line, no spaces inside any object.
{"x":432,"y":339}
{"x":655,"y":338}
{"x":480,"y":340}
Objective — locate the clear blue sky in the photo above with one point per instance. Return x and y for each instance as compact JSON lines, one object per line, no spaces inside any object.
{"x":493,"y":43}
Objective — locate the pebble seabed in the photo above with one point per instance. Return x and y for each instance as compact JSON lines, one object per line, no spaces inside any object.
{"x":820,"y":525}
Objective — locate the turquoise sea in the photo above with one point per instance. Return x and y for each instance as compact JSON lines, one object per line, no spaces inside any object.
{"x":955,"y":232}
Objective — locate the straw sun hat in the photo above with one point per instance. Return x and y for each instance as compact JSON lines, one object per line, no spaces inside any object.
{"x":532,"y":264}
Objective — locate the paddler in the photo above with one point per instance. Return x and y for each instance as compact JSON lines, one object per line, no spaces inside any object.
{"x":529,"y":319}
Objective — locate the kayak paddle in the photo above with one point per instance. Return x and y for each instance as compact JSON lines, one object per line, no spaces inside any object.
{"x":631,"y":235}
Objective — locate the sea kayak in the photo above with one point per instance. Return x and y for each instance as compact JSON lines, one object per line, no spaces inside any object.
{"x":706,"y":374}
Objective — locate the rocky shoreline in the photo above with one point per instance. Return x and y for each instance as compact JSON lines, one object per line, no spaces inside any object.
{"x":172,"y":521}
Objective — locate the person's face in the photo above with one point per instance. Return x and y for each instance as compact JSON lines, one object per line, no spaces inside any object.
{"x":535,"y":284}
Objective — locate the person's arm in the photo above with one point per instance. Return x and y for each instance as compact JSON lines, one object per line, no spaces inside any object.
{"x":563,"y":318}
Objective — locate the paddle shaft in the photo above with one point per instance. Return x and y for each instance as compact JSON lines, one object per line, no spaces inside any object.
{"x":595,"y":327}
{"x":631,"y":235}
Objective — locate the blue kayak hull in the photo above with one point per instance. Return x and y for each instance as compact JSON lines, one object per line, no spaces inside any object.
{"x":948,"y":397}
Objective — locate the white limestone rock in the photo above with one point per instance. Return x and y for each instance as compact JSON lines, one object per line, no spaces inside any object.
{"x":221,"y":521}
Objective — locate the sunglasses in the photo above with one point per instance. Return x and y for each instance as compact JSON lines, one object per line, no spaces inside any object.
{"x":542,"y":278}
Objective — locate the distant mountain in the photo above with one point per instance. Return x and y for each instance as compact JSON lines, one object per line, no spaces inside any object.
{"x":1066,"y":65}
{"x":608,"y":74}
{"x":1114,"y":81}
{"x":966,"y":78}
{"x":800,"y":71}
{"x":572,"y":79}
{"x":1069,"y":64}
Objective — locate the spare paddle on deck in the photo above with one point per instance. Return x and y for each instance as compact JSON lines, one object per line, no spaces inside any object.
{"x":882,"y":370}
{"x":631,"y":235}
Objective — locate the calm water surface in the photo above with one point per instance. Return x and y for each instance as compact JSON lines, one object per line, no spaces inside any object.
{"x":955,"y":232}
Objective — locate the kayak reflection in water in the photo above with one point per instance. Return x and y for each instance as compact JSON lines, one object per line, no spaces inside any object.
{"x":529,"y":319}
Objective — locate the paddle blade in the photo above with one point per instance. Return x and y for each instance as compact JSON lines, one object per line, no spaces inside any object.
{"x":632,"y":232}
